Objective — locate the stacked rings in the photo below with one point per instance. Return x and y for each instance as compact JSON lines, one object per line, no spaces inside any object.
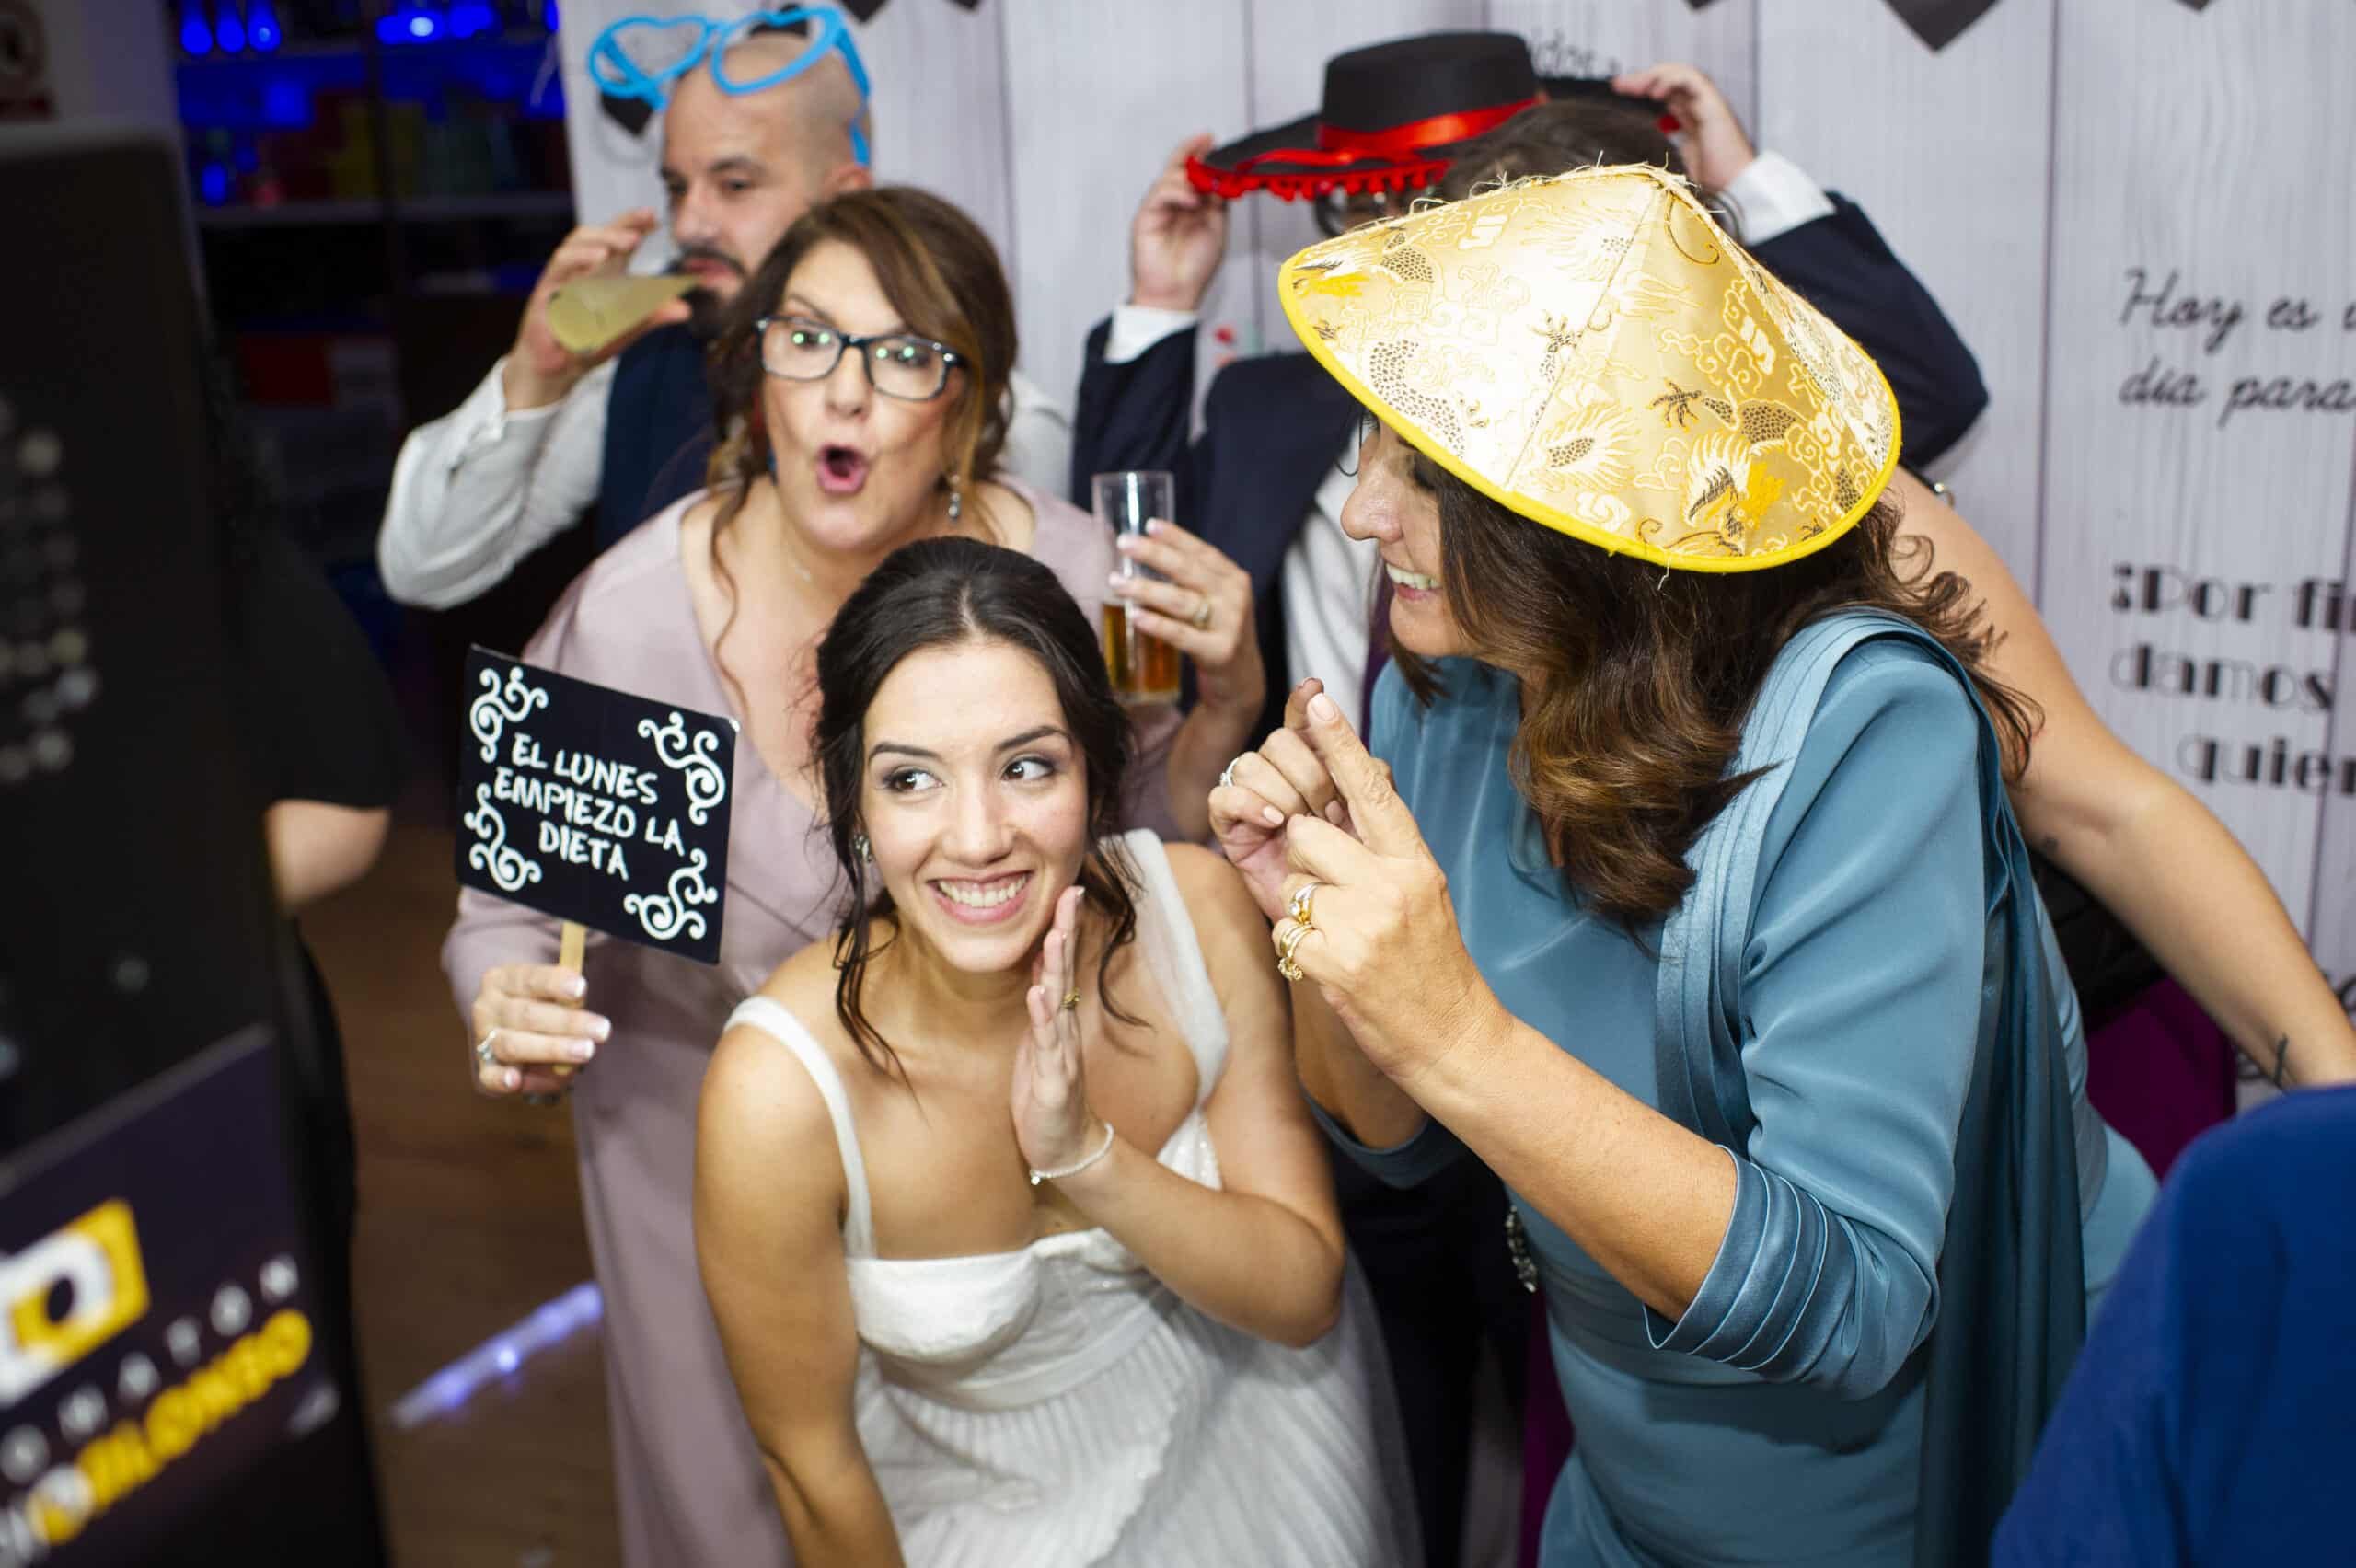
{"x":1301,"y":910}
{"x":483,"y":1053}
{"x":1286,"y":964}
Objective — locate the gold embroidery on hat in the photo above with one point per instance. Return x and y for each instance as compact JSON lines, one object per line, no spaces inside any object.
{"x":1592,"y":353}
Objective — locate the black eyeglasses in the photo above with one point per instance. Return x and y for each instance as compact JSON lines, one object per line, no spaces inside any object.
{"x":898,"y":365}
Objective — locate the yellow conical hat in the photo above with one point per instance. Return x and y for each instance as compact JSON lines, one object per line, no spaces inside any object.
{"x":1593,"y":352}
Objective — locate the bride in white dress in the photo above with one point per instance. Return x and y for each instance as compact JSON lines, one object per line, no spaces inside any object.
{"x":1016,"y":1227}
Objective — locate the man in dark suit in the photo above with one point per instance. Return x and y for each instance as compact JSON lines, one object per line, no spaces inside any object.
{"x":1264,"y":473}
{"x":1267,"y":479}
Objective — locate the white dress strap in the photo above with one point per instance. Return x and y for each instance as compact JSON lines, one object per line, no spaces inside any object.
{"x":1166,"y":936}
{"x":772,"y":1019}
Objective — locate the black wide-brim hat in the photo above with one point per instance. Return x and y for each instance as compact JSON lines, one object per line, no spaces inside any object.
{"x":1393,"y":118}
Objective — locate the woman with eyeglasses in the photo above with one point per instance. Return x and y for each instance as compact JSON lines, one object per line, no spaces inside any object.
{"x":860,"y":397}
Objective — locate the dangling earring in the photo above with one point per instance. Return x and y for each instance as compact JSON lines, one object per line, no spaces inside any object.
{"x":957,"y":496}
{"x":859,"y":846}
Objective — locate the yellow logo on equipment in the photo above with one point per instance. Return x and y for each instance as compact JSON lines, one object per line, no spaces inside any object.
{"x":97,"y":1256}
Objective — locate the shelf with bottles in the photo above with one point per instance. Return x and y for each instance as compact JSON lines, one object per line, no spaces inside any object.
{"x":332,"y":213}
{"x":340,"y":121}
{"x":227,"y":30}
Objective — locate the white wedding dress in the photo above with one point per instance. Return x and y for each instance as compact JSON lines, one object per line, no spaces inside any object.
{"x":1059,"y":1406}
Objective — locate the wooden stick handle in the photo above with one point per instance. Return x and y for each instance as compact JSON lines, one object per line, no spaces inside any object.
{"x":571,"y":942}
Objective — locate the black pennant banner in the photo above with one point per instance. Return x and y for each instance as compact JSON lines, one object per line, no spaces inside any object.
{"x":1939,"y":22}
{"x":865,"y":10}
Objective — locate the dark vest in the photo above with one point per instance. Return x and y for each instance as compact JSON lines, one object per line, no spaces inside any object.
{"x":658,"y":430}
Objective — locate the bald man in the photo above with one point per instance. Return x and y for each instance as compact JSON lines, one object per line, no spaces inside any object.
{"x":549,"y":436}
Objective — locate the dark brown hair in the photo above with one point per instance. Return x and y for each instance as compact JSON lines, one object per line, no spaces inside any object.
{"x":1574,"y":133}
{"x":939,"y":593}
{"x":1637,"y":679}
{"x":942,"y":274}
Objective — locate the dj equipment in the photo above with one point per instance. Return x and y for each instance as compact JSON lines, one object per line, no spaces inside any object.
{"x":172,"y":1370}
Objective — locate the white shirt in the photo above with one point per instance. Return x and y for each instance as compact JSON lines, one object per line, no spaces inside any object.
{"x":1328,"y":578}
{"x":480,"y":488}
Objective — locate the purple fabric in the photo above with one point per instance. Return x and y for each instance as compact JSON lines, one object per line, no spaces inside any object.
{"x":1545,"y":1439}
{"x":2161,"y":1073}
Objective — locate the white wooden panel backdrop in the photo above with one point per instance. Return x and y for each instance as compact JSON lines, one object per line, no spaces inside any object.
{"x":2167,"y":157}
{"x":2022,"y":170}
{"x":1946,"y":154}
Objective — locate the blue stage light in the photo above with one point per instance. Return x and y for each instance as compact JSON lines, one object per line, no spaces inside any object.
{"x":261,"y":27}
{"x":196,"y":36}
{"x":229,"y":29}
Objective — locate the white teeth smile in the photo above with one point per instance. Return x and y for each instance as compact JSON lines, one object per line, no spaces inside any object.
{"x":1410,"y":579}
{"x":984,"y":895}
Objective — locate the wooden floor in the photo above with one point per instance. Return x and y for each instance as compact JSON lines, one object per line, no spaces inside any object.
{"x":470,"y":1219}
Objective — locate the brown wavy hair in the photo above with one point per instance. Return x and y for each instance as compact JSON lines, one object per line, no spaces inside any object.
{"x":1637,"y":679}
{"x":942,"y":276}
{"x":944,"y":593}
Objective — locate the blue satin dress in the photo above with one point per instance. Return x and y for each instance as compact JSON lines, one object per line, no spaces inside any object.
{"x":1862,"y":990}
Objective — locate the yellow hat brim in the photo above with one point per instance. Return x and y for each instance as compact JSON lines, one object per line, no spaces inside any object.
{"x":1293,"y":299}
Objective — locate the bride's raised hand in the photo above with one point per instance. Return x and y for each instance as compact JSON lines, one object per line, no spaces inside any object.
{"x":1053,"y":1126}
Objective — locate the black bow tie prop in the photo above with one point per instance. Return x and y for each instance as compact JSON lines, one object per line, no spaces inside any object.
{"x":599,"y":808}
{"x":1937,"y":22}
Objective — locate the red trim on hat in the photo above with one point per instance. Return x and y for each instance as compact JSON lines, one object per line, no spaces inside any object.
{"x":1437,"y":131}
{"x":1336,"y":147}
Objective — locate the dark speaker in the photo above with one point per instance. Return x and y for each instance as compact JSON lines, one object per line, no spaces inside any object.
{"x":139,"y":928}
{"x":176,"y":1379}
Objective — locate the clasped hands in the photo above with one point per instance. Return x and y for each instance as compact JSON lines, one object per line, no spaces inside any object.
{"x":1312,"y":822}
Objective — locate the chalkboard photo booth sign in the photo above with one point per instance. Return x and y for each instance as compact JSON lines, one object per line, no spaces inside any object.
{"x":602,"y":808}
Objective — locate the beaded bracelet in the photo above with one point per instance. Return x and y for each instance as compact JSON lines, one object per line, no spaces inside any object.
{"x":1103,"y":1149}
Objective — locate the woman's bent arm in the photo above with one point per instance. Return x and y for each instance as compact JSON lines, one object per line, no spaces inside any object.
{"x":2141,"y":842}
{"x":1263,"y":1254}
{"x":769,"y":1202}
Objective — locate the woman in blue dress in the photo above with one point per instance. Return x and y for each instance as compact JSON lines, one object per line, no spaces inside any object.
{"x":1680,"y":890}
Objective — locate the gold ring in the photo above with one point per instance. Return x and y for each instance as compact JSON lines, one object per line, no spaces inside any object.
{"x":1202,"y":615}
{"x":1298,"y":906}
{"x":1072,"y":1001}
{"x":1286,"y":965}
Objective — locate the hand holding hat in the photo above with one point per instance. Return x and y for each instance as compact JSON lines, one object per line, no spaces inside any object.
{"x":1716,"y":149}
{"x":1178,"y":237}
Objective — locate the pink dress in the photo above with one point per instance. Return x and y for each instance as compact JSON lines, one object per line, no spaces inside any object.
{"x":691,"y":1490}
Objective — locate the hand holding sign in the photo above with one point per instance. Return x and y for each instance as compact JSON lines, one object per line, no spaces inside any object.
{"x":603,"y":810}
{"x":1368,"y":915}
{"x":530,"y":1030}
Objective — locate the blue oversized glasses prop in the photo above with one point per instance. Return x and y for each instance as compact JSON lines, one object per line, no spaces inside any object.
{"x":619,"y":76}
